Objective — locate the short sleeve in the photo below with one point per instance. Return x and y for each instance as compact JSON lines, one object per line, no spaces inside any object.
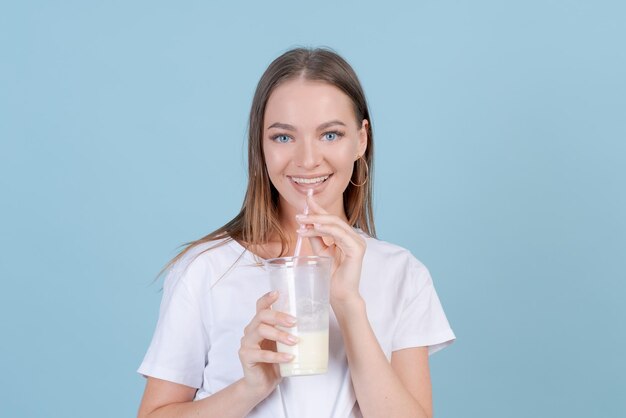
{"x":422,"y":319}
{"x":179,"y":347}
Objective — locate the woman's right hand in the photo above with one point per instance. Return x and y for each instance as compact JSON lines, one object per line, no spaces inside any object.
{"x":257,"y":353}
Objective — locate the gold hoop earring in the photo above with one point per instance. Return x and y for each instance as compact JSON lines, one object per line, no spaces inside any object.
{"x":366,"y":173}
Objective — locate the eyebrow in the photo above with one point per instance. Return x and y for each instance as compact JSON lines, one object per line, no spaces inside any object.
{"x":288,"y":127}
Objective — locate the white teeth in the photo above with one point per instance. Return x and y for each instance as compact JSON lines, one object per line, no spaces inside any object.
{"x":309,"y":181}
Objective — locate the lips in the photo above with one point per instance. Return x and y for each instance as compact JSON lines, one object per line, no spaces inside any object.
{"x":312,"y":181}
{"x":303,"y":184}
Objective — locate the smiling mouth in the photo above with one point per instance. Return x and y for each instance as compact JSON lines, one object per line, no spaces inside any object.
{"x":310,"y":181}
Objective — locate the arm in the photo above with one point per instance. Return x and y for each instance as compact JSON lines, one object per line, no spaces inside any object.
{"x":260,"y":368}
{"x":167,"y":399}
{"x":383,"y":389}
{"x":399,"y":389}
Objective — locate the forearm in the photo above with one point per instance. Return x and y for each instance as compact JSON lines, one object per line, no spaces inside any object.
{"x":378,"y":389}
{"x":234,"y":401}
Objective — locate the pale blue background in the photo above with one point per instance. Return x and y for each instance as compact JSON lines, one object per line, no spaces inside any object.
{"x":500,"y":134}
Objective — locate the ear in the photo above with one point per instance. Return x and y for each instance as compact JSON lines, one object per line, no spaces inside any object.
{"x":362,"y":146}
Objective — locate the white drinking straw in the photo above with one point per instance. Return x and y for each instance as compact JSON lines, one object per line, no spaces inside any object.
{"x":296,"y":253}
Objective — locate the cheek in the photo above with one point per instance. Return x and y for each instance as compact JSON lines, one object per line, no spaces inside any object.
{"x":270,"y":159}
{"x":274,"y":161}
{"x":344,"y":159}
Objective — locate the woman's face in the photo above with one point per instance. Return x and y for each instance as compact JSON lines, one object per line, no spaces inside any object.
{"x":310,"y":140}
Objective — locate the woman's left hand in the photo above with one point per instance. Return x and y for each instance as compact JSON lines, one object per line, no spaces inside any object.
{"x":347,"y":249}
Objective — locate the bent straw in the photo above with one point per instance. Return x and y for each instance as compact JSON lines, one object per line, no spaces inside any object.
{"x":296,"y":253}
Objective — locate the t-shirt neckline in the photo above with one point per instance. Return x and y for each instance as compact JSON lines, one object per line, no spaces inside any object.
{"x":260,"y":261}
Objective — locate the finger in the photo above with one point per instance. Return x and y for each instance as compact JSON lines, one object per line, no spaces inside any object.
{"x":318,"y":245}
{"x":273,"y":318}
{"x":269,"y":332}
{"x":314,"y":207}
{"x":351,"y":245}
{"x":254,"y":337}
{"x":252,"y":356}
{"x":342,"y":237}
{"x":265,"y":301}
{"x":266,"y":316}
{"x":321,"y":219}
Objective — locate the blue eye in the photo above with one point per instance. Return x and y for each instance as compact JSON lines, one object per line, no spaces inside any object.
{"x":332,"y":136}
{"x":283,"y":139}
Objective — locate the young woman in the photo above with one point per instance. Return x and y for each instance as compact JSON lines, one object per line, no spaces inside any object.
{"x":213,"y":353}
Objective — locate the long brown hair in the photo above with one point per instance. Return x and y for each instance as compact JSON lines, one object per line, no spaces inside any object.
{"x":258,"y":219}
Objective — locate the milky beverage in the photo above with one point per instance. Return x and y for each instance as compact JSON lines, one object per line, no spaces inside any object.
{"x":303,"y":285}
{"x":310,"y":354}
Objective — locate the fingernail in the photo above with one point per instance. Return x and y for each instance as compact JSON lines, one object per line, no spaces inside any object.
{"x":290,"y":320}
{"x":273,"y":293}
{"x":287,"y":356}
{"x":292,"y":339}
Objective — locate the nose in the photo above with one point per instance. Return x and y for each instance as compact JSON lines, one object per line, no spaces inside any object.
{"x":308,"y":155}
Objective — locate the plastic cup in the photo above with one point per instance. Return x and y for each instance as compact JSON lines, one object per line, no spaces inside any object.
{"x":303,"y":285}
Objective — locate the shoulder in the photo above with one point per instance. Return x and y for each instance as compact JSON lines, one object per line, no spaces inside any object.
{"x":201,"y":263}
{"x":380,"y":251}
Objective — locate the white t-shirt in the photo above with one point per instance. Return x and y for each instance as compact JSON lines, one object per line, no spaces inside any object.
{"x":209,"y":298}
